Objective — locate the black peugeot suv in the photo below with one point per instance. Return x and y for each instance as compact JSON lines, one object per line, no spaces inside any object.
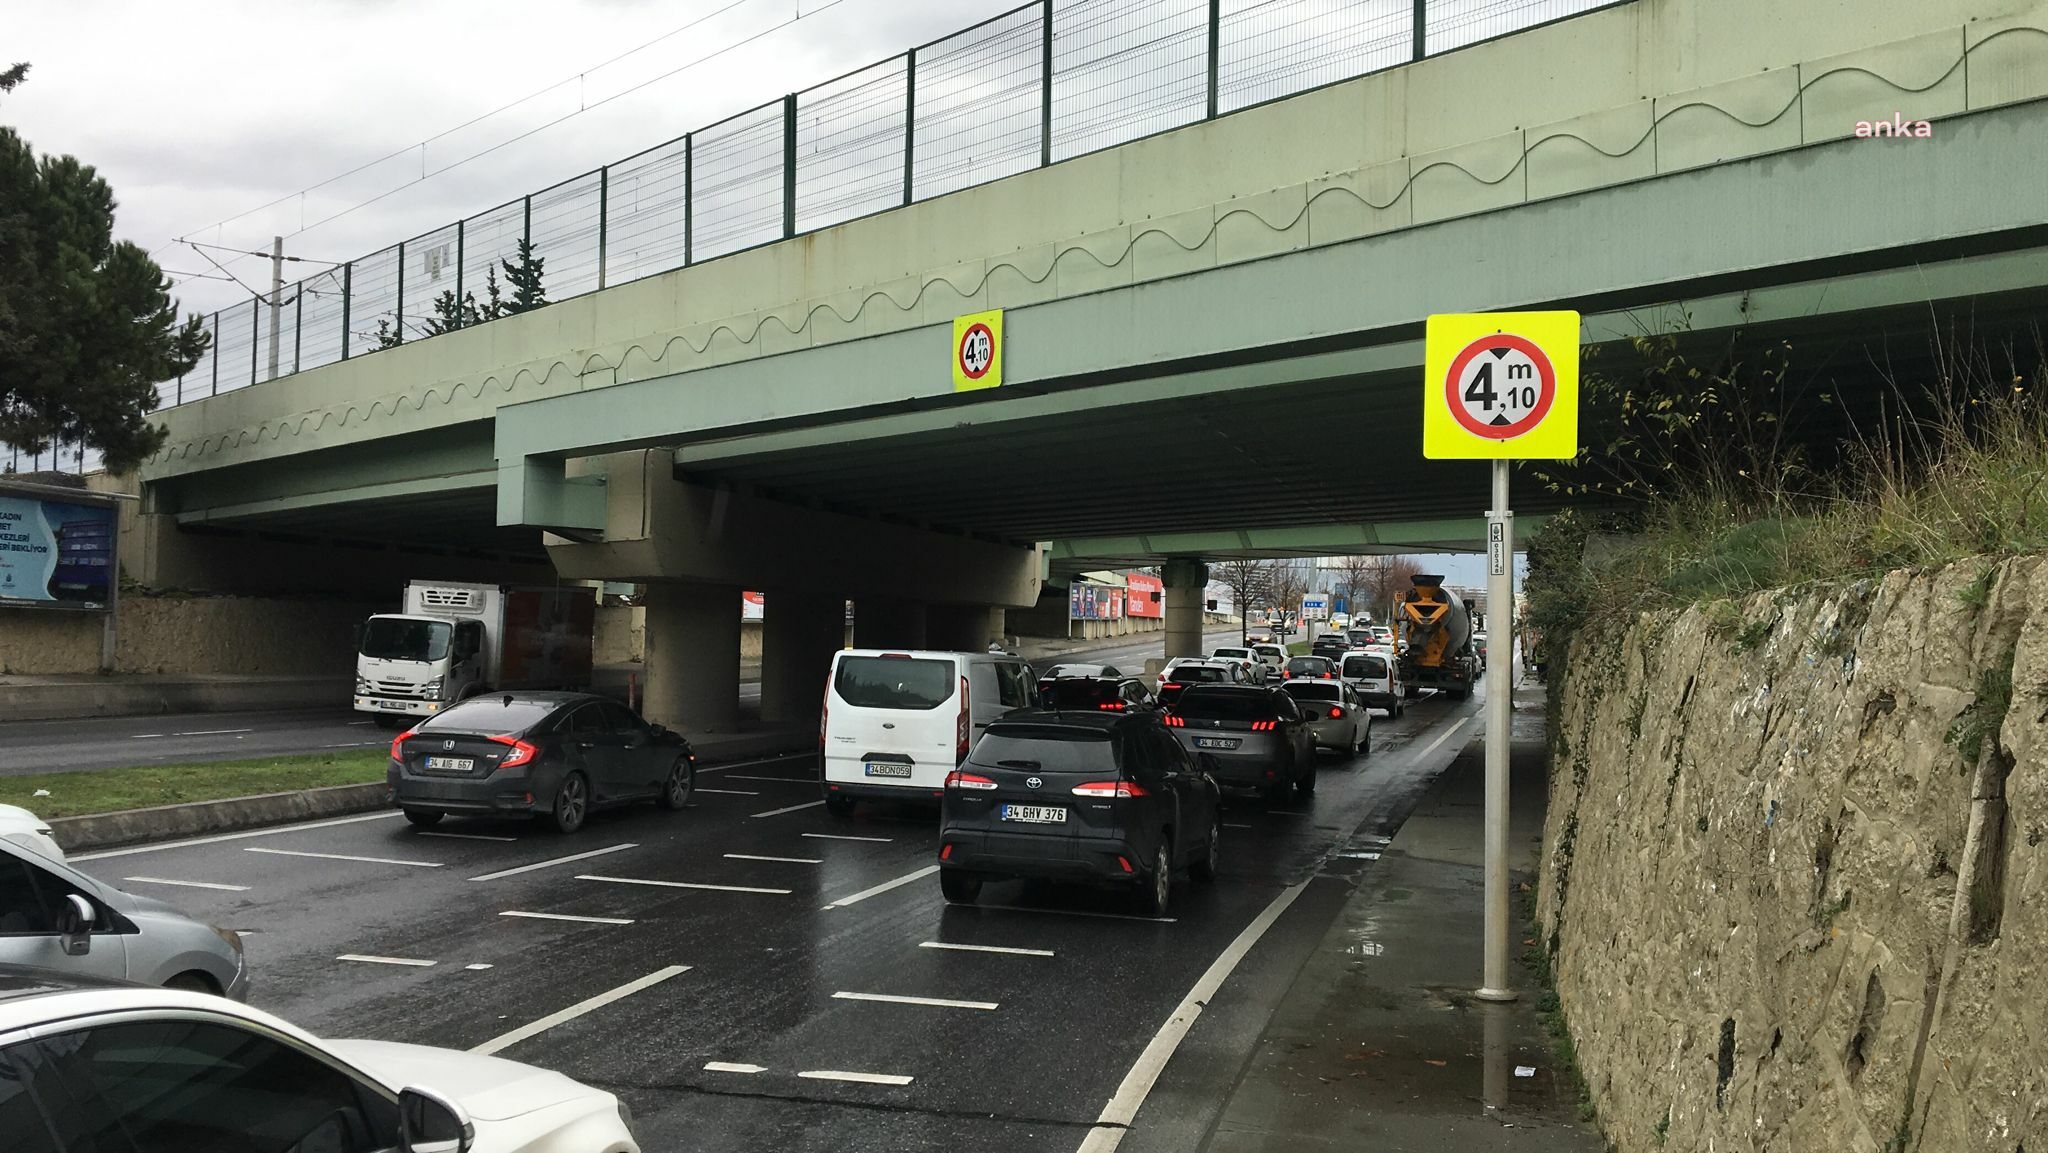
{"x":1256,"y":737}
{"x":1107,"y":798}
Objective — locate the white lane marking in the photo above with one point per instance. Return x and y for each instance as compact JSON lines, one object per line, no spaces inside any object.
{"x":189,"y":884}
{"x":790,"y":809}
{"x":751,"y":764}
{"x":685,"y":885}
{"x":344,"y":857}
{"x":353,"y":724}
{"x":553,"y":861}
{"x":732,"y":1067}
{"x":777,"y":860}
{"x":507,"y":1040}
{"x":216,"y":839}
{"x":1229,"y":825}
{"x":731,"y":792}
{"x":858,"y":1078}
{"x":884,"y":887}
{"x":352,"y":745}
{"x":1438,"y":743}
{"x":843,"y":837}
{"x":1081,"y":913}
{"x":476,"y":967}
{"x":1137,"y":1084}
{"x":985,"y":949}
{"x":782,"y":780}
{"x":933,"y":1002}
{"x":568,"y":917}
{"x":143,"y":736}
{"x":369,"y":959}
{"x":461,"y":836}
{"x":212,"y":732}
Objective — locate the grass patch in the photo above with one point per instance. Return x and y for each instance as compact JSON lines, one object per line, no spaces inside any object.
{"x":143,"y":786}
{"x":1551,"y":1012}
{"x":1983,"y":718}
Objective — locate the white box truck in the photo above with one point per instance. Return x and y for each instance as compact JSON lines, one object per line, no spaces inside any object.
{"x":455,"y":640}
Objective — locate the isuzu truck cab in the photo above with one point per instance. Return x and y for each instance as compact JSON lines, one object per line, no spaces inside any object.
{"x":456,"y":640}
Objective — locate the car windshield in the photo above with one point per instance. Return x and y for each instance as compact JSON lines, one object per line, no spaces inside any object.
{"x":1078,"y":693}
{"x":1045,"y":748}
{"x":1312,"y":691}
{"x":399,"y":639}
{"x":1227,"y":705}
{"x":894,"y":682}
{"x":1365,"y":667}
{"x":490,"y":715}
{"x":1198,"y":674}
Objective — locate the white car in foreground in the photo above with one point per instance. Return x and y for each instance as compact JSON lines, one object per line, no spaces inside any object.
{"x":172,"y":1070}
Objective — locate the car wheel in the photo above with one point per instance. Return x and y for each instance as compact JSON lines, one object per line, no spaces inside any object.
{"x":572,"y":804}
{"x":193,"y":982}
{"x":1159,"y":890}
{"x":1306,"y":786}
{"x":1365,"y":743}
{"x":839,"y":806}
{"x":959,"y":888}
{"x":681,"y":782}
{"x":424,"y":818}
{"x":1203,"y":867}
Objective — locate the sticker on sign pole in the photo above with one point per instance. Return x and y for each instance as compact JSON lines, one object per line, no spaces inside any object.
{"x":978,"y":350}
{"x":1501,"y":385}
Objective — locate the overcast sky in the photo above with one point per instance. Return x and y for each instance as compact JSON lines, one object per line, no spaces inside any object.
{"x":201,"y":111}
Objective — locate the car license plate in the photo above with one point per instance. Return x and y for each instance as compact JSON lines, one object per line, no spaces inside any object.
{"x":450,"y":764}
{"x":1036,"y":814}
{"x":888,"y":769}
{"x":390,"y":704}
{"x":1215,"y":742}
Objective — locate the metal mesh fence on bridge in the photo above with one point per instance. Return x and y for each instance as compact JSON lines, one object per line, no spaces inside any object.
{"x":1042,"y":83}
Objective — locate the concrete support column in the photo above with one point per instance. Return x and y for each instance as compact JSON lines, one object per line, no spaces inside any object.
{"x":693,"y":656}
{"x":885,"y":623}
{"x":799,"y":633}
{"x":1187,"y":584}
{"x":962,"y":628}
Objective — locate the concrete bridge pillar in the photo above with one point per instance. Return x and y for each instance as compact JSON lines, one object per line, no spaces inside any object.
{"x":888,"y":623}
{"x":1187,"y":584}
{"x":799,"y":633}
{"x":693,"y":656}
{"x":962,"y":628}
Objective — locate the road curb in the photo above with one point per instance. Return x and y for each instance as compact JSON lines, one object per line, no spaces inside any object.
{"x":125,"y":827}
{"x":74,"y":699}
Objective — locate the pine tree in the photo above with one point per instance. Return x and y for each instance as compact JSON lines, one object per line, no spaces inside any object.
{"x":449,"y":315}
{"x":494,"y":301}
{"x":525,"y":278}
{"x":387,"y":336}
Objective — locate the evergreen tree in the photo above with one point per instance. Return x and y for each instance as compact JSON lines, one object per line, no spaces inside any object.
{"x":449,"y":315}
{"x":494,"y":300}
{"x":525,"y":279}
{"x":387,"y":336}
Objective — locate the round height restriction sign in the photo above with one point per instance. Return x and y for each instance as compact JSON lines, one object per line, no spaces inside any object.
{"x":1500,"y":386}
{"x":977,"y":351}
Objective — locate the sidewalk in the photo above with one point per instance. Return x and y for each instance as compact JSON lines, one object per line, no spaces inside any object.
{"x":1379,"y":1043}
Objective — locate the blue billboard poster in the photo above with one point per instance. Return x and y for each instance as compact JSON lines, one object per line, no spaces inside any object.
{"x":55,"y":553}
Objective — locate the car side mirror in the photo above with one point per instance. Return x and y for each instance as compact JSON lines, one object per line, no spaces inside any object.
{"x":431,"y":1123}
{"x":74,"y":925}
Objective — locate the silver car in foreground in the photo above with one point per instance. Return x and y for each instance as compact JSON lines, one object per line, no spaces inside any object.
{"x":1337,"y":718}
{"x":55,"y":917}
{"x":167,"y":1070}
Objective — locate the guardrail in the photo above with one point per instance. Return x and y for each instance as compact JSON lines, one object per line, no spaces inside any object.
{"x":1041,"y":83}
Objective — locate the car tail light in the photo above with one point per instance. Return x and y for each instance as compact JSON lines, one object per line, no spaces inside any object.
{"x":1110,"y":789}
{"x":1173,"y":722}
{"x":1111,"y":706}
{"x":1326,"y":676}
{"x":960,"y":779}
{"x":521,"y":753}
{"x":1264,"y":726}
{"x":398,"y":745}
{"x":1125,"y":862}
{"x":1336,"y":712}
{"x":946,"y":853}
{"x":960,"y":733}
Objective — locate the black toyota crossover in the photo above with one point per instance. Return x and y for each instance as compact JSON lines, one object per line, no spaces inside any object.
{"x":557,"y":755}
{"x":1108,"y":798}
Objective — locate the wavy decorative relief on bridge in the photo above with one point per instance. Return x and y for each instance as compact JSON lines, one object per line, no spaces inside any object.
{"x":654,"y":353}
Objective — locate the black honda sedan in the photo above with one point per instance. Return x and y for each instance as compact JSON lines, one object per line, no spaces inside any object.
{"x":1106,"y":798}
{"x":557,"y":755}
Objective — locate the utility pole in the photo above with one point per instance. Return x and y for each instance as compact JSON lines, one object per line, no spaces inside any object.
{"x":276,"y":297}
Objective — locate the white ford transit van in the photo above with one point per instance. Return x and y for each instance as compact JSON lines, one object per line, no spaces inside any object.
{"x":896,"y":721}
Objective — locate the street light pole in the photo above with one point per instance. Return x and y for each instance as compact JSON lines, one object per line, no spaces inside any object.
{"x":276,"y":297}
{"x":1500,"y":590}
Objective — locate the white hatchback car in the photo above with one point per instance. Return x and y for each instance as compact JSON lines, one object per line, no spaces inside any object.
{"x":29,"y":831}
{"x":166,"y":1069}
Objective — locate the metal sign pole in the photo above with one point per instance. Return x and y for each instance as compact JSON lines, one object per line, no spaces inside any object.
{"x":1500,"y":599}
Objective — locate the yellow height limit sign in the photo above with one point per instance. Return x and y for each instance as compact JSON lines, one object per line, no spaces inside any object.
{"x":1498,"y":386}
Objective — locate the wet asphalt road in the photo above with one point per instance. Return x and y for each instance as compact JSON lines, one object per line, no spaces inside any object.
{"x":180,"y":738}
{"x":735,"y":930}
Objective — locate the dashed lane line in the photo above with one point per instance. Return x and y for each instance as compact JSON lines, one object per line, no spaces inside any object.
{"x":778,"y":780}
{"x":930,"y":1002}
{"x":188,"y":884}
{"x":790,"y":809}
{"x":344,"y":857}
{"x":731,"y":792}
{"x":1080,"y":913}
{"x":884,"y":887}
{"x":370,"y":959}
{"x":553,"y":861}
{"x":732,"y":1067}
{"x":1011,"y":950}
{"x":845,"y":837}
{"x":461,"y":836}
{"x":777,"y":860}
{"x":686,"y":885}
{"x":507,"y":1040}
{"x":567,"y":917}
{"x":857,"y":1078}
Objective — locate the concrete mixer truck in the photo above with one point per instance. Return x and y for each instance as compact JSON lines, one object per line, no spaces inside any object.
{"x":1437,"y":629}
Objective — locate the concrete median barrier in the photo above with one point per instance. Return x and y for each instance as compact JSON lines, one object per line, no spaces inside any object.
{"x":200,"y":818}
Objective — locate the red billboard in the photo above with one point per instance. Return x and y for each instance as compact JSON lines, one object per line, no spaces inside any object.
{"x":1147,"y":597}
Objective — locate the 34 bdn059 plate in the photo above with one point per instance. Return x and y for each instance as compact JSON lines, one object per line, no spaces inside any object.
{"x":888,"y":769}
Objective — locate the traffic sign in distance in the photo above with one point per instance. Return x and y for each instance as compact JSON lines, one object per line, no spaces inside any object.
{"x":1501,"y":386}
{"x":978,"y":350}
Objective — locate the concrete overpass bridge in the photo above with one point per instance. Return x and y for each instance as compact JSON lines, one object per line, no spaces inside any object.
{"x":1212,"y":335}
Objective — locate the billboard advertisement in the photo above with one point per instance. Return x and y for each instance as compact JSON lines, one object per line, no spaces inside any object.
{"x":1147,"y":597}
{"x":1088,"y":602}
{"x":55,"y":553}
{"x":753,"y":606}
